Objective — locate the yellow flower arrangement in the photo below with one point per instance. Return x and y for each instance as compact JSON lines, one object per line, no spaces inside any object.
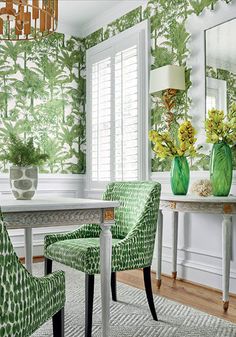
{"x":165,"y":146}
{"x":221,"y":127}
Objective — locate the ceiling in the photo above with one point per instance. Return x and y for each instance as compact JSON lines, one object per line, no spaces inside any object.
{"x":81,"y":17}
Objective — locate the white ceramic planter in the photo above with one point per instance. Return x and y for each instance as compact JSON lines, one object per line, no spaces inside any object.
{"x":23,"y":181}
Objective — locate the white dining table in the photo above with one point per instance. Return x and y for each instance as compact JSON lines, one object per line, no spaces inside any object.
{"x":55,"y":212}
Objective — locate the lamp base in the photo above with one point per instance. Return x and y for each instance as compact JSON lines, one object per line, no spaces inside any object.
{"x":168,"y":98}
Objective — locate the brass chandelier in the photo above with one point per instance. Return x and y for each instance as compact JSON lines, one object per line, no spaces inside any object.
{"x":27,"y":19}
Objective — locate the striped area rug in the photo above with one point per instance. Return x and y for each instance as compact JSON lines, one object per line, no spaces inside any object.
{"x":130,"y":316}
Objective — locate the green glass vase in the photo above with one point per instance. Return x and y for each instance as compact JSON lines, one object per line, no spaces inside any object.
{"x":221,"y":169}
{"x":180,"y":175}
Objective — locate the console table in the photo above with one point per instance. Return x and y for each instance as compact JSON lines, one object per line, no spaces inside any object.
{"x":54,"y":212}
{"x":225,"y":206}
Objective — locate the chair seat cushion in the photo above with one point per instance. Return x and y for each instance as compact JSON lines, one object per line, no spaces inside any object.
{"x":81,"y":254}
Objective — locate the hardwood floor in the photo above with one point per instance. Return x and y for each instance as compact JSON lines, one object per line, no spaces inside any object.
{"x":194,"y":295}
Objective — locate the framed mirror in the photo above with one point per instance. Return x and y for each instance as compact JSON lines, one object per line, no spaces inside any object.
{"x":212,"y":61}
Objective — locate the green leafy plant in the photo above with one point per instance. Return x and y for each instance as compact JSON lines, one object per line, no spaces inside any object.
{"x":23,"y":153}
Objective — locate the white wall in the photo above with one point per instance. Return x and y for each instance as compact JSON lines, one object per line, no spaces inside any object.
{"x":67,"y":185}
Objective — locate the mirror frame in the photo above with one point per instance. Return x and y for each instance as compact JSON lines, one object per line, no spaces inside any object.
{"x":196,"y":26}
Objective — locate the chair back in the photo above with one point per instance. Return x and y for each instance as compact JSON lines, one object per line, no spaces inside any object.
{"x":12,"y":275}
{"x":26,"y":302}
{"x":139,"y":205}
{"x":9,"y":262}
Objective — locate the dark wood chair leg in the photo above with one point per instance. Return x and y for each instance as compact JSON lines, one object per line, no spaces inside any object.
{"x":89,"y":292}
{"x":113,"y":287}
{"x":47,"y":266}
{"x":58,"y":324}
{"x":148,"y":288}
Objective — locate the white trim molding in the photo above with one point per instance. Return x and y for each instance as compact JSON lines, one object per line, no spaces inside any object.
{"x":208,"y":274}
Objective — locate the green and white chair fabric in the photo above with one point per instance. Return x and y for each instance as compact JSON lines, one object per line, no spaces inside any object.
{"x":133,"y":238}
{"x":26,"y":302}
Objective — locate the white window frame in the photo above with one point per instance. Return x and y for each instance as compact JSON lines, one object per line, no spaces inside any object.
{"x":141,"y":31}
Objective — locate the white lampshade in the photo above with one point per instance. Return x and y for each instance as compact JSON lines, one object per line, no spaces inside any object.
{"x":167,"y":77}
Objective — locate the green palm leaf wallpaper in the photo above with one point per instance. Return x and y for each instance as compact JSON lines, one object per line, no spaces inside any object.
{"x":169,"y":46}
{"x":42,"y":95}
{"x":42,"y":84}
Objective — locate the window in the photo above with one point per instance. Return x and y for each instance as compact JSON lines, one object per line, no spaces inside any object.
{"x":216,"y":94}
{"x":117,"y":110}
{"x":211,"y":99}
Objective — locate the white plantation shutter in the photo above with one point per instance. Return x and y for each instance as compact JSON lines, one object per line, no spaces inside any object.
{"x":101,"y":120}
{"x":115,"y":121}
{"x":126,"y":114}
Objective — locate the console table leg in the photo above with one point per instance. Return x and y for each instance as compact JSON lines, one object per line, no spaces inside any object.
{"x":159,"y":247}
{"x":175,"y":218}
{"x":28,"y":249}
{"x":226,"y":255}
{"x":105,"y":261}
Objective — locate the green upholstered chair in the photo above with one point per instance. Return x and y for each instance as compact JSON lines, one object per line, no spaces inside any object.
{"x":26,"y":302}
{"x":132,"y":243}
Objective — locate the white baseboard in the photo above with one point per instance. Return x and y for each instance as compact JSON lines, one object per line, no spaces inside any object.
{"x":203,"y":274}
